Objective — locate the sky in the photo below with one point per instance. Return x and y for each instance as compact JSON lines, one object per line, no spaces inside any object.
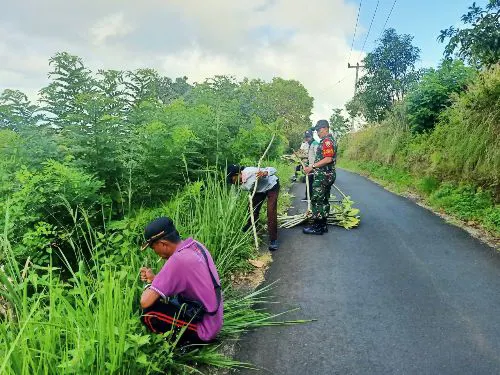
{"x":306,"y":40}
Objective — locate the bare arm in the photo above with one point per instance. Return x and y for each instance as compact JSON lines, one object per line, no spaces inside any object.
{"x":148,"y":298}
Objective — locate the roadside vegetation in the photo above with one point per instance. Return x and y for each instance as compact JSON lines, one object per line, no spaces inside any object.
{"x":435,"y":131}
{"x":85,"y":168}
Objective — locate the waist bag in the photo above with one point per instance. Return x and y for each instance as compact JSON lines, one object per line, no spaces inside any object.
{"x":193,"y":310}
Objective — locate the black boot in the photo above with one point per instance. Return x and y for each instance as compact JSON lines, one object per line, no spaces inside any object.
{"x":324,"y":225}
{"x":316,"y":228}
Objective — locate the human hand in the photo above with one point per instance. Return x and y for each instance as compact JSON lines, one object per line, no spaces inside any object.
{"x":307,"y":170}
{"x":262,"y":174}
{"x":147,"y":275}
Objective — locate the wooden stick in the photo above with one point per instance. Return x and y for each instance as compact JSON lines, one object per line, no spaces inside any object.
{"x":340,"y":191}
{"x":250,"y":196}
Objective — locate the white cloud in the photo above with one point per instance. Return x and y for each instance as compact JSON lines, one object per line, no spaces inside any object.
{"x":111,"y":26}
{"x":307,"y":40}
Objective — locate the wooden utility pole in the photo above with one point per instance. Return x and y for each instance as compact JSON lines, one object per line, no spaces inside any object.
{"x":357,"y":67}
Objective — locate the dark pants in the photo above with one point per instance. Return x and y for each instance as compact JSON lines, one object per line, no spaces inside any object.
{"x":272,"y":210}
{"x":298,"y":168}
{"x":163,"y":317}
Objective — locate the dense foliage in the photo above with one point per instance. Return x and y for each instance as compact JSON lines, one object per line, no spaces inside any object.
{"x":112,"y":141}
{"x":434,"y":93}
{"x":84,"y":169}
{"x":457,"y":165}
{"x":479,"y":43}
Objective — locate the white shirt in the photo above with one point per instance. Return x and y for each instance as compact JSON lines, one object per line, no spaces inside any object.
{"x":249,"y":176}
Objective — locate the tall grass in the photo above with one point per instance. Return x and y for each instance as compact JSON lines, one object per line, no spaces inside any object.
{"x":88,"y":323}
{"x":464,"y":146}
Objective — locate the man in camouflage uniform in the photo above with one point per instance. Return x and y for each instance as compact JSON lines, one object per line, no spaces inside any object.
{"x":324,"y":177}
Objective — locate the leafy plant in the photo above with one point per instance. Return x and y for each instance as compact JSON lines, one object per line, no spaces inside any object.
{"x":478,"y":44}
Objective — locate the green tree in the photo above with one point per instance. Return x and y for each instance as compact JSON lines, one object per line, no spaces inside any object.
{"x":279,"y":99}
{"x":339,"y":125}
{"x":69,"y":79}
{"x":389,"y":74}
{"x":16,"y":111}
{"x":478,"y":44}
{"x":434,"y":93}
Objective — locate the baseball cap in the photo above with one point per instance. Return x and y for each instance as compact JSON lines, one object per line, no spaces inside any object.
{"x":233,"y":170}
{"x":321,"y":124}
{"x":157,"y":229}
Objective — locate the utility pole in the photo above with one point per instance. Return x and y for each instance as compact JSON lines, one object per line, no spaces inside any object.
{"x":357,"y":67}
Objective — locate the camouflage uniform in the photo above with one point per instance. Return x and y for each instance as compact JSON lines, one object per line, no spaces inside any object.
{"x":324,"y":178}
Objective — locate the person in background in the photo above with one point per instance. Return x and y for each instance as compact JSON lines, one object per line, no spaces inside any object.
{"x":190,"y":282}
{"x":311,"y":155}
{"x":304,"y":149}
{"x":324,"y":177}
{"x":267,"y":187}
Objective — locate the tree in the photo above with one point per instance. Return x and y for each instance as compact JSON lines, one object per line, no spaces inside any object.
{"x":434,"y":93}
{"x":280,"y":99}
{"x":389,"y":74}
{"x":16,"y":111}
{"x":339,"y":125}
{"x":69,"y":79}
{"x":479,"y":44}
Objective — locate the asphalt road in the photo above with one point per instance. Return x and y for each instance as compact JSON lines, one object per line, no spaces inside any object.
{"x":405,"y":293}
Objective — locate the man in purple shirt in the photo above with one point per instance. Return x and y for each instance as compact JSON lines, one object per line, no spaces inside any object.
{"x":190,"y":282}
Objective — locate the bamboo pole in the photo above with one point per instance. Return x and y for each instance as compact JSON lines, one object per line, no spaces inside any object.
{"x":250,"y":196}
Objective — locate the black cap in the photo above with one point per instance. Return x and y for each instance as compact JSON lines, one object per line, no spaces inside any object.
{"x":157,"y":229}
{"x":321,"y":124}
{"x":308,"y":134}
{"x":233,"y":170}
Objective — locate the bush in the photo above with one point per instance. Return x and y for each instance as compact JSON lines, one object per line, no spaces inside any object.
{"x":434,"y":93}
{"x":43,"y":200}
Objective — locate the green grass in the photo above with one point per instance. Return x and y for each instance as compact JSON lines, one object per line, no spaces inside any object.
{"x":88,"y":323}
{"x":465,"y":202}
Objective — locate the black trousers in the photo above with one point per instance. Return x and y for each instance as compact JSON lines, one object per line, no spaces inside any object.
{"x":163,"y":317}
{"x":272,"y":210}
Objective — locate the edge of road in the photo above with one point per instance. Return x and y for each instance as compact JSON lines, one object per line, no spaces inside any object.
{"x":478,"y":233}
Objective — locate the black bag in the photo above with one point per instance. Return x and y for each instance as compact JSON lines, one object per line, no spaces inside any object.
{"x":193,"y":310}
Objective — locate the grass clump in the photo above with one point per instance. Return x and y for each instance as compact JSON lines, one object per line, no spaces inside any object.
{"x":83,"y":318}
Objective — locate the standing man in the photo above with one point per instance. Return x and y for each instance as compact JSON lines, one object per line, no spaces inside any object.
{"x":324,"y":177}
{"x":188,"y":280}
{"x":311,"y":157}
{"x":268,"y":186}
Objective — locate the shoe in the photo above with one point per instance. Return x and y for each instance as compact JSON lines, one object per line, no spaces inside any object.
{"x":273,"y":245}
{"x":294,"y":179}
{"x":324,"y":225}
{"x":314,"y":229}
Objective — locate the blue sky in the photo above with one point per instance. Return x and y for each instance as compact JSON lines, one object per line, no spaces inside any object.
{"x":422,"y":18}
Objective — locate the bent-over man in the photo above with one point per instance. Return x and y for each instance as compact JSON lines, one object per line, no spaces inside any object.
{"x":267,"y":187}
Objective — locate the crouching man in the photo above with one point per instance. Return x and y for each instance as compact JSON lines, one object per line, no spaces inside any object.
{"x":186,"y":293}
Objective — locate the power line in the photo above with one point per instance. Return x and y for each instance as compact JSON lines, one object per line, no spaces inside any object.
{"x":388,"y":16}
{"x":370,"y":28}
{"x":355,"y":29}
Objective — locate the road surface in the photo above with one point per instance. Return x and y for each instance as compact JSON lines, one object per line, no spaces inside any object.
{"x":405,"y":293}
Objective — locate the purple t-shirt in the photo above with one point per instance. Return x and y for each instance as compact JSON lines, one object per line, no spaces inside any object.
{"x":186,"y":273}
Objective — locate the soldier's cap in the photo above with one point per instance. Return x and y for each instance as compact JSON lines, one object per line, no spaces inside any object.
{"x":158,"y":229}
{"x":321,"y":124}
{"x":233,"y":170}
{"x":308,"y":134}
